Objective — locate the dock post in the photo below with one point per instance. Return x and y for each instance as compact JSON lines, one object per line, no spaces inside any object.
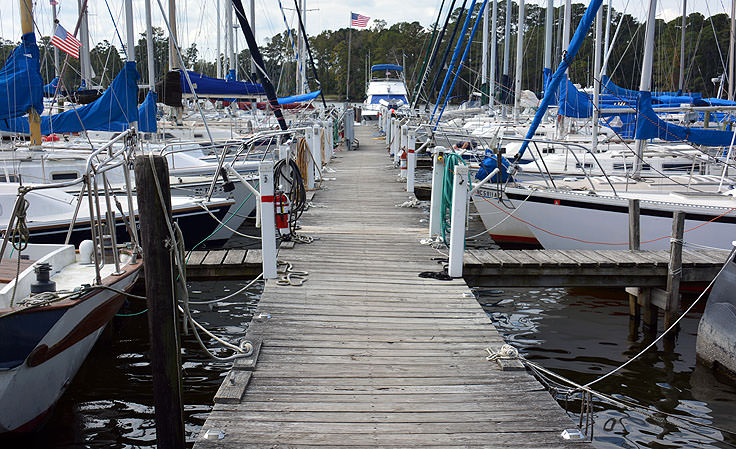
{"x":403,"y":133}
{"x":634,"y":245}
{"x":435,"y":207}
{"x":162,"y":326}
{"x":411,"y":160}
{"x":268,"y":220}
{"x":395,"y":139}
{"x":284,"y":151}
{"x":388,"y":124}
{"x":674,"y":271}
{"x":457,"y":220}
{"x":316,"y":152}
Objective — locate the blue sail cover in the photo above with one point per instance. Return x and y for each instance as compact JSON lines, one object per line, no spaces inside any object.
{"x":649,"y":126}
{"x":113,"y":111}
{"x":215,"y":87}
{"x":299,"y":98}
{"x":574,"y":103}
{"x":379,"y":67}
{"x":147,"y":114}
{"x":50,"y":89}
{"x":20,"y":80}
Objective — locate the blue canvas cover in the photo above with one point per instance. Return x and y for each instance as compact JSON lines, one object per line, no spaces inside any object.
{"x":50,"y":89}
{"x":20,"y":80}
{"x":489,"y":164}
{"x":205,"y":85}
{"x":147,"y":114}
{"x":379,"y":67}
{"x":649,"y":126}
{"x":299,"y":98}
{"x":113,"y":111}
{"x":574,"y":103}
{"x":376,"y":99}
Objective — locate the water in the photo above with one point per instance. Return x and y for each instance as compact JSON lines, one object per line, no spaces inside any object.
{"x":110,"y":402}
{"x":584,"y":334}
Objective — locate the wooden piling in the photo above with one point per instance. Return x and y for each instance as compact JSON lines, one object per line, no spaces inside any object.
{"x":672,"y":308}
{"x":163,"y":332}
{"x":634,"y":245}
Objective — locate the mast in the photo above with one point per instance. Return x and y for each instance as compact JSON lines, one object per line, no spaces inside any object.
{"x":433,"y":57}
{"x":730,"y":51}
{"x":596,"y":76}
{"x":494,"y":49}
{"x":681,"y":84}
{"x":519,"y":61}
{"x":252,"y":24}
{"x":607,"y":40}
{"x":26,"y":23}
{"x":548,"y":23}
{"x":484,"y":61}
{"x":506,"y":55}
{"x":230,"y":46}
{"x":130,"y":43}
{"x":567,"y":19}
{"x":84,"y":62}
{"x":646,"y":79}
{"x":149,"y":49}
{"x":173,"y":59}
{"x":57,"y":64}
{"x":303,"y":56}
{"x":218,"y":60}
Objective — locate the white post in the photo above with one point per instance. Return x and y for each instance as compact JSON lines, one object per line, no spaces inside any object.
{"x":317,"y":152}
{"x":387,"y":130}
{"x":395,"y":139}
{"x":268,"y":221}
{"x":457,"y":220}
{"x":435,"y":208}
{"x":403,"y":156}
{"x":284,"y":151}
{"x":411,"y":160}
{"x":310,"y":183}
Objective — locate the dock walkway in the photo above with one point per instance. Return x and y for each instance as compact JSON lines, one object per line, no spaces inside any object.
{"x":368,"y":354}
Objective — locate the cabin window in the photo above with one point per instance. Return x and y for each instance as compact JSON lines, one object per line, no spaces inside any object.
{"x":585,"y":165}
{"x":13,"y":178}
{"x":64,"y":176}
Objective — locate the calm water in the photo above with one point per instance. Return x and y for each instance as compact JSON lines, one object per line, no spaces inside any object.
{"x":579,"y":334}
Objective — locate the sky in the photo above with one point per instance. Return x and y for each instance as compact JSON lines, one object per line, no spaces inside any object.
{"x":197,"y":18}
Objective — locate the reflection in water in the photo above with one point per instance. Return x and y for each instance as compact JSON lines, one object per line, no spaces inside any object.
{"x":110,"y":401}
{"x":582,"y":336}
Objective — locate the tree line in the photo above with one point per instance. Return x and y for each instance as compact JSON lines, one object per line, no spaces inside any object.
{"x":706,"y":48}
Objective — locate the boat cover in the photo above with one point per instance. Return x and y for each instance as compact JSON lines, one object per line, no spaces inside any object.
{"x":215,"y":87}
{"x":20,"y":80}
{"x":113,"y":111}
{"x":379,"y":67}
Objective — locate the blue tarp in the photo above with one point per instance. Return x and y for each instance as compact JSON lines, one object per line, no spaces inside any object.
{"x":649,"y":126}
{"x":205,"y":85}
{"x":574,"y":103}
{"x":299,"y":98}
{"x":113,"y":111}
{"x":50,"y":89}
{"x":20,"y":80}
{"x":376,"y":99}
{"x":489,"y":164}
{"x":379,"y":67}
{"x":147,"y":114}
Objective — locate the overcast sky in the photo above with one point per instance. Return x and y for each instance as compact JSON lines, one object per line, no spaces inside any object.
{"x":197,"y":18}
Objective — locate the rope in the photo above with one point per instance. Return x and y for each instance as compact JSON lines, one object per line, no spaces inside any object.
{"x":448,"y":182}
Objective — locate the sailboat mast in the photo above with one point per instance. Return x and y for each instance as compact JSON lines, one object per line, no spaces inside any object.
{"x":548,"y":23}
{"x":494,"y":49}
{"x":731,"y":51}
{"x":149,"y":49}
{"x":607,"y":39}
{"x":173,"y":59}
{"x":218,"y":59}
{"x":26,"y":23}
{"x":57,"y":64}
{"x":230,"y":36}
{"x":253,"y":25}
{"x":596,"y":76}
{"x":84,"y":62}
{"x":484,"y":61}
{"x":645,"y":84}
{"x":519,"y":61}
{"x":506,"y":55}
{"x":130,"y":43}
{"x":681,"y":84}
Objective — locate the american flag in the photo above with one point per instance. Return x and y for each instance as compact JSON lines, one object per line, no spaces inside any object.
{"x":359,"y":21}
{"x":66,"y":41}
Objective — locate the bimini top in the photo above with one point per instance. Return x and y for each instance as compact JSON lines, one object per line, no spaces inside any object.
{"x":379,"y":67}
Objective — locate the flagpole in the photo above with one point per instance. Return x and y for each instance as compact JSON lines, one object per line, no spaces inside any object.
{"x":347,"y":77}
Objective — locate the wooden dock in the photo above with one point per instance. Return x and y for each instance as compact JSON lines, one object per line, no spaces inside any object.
{"x":368,"y":354}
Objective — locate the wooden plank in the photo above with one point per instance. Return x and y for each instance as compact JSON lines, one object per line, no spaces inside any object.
{"x":524,"y":259}
{"x":505,"y":257}
{"x":234,"y":257}
{"x":233,"y":387}
{"x":540,"y":256}
{"x":196,"y":257}
{"x":582,"y":258}
{"x":214,"y":258}
{"x":253,"y":257}
{"x":562,"y":258}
